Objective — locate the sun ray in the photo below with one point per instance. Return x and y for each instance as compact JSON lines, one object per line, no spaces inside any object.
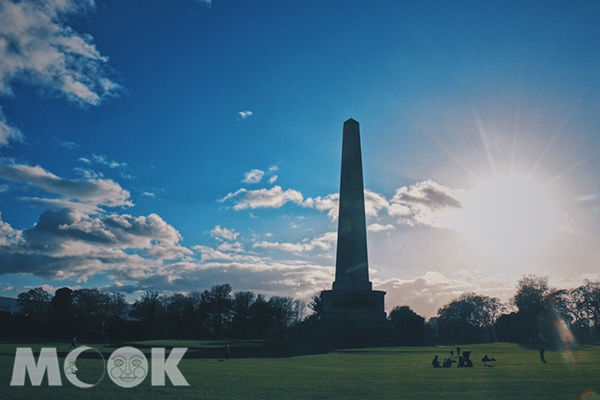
{"x":486,"y":146}
{"x":455,"y":158}
{"x":554,"y":138}
{"x":516,"y":129}
{"x":570,"y":169}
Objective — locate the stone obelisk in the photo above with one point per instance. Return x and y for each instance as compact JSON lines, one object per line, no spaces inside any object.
{"x":352,"y":298}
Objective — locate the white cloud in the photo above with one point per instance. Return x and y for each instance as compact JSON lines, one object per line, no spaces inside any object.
{"x":374,"y":204}
{"x":8,"y":132}
{"x":69,"y":244}
{"x":8,"y":235}
{"x":423,"y":203}
{"x":38,"y":47}
{"x":273,"y":179}
{"x":245,"y":114}
{"x":224,"y":233}
{"x":89,"y":173}
{"x":208,"y":253}
{"x":329,"y":203}
{"x":235,"y":247}
{"x":323,"y":242}
{"x":93,"y":192}
{"x":274,"y":197}
{"x":103,"y":160}
{"x":380,"y":228}
{"x":253,"y":176}
{"x":273,"y":168}
{"x":69,"y":145}
{"x":232,"y":195}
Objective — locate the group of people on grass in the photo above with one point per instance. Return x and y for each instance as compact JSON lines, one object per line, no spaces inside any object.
{"x":464,"y":360}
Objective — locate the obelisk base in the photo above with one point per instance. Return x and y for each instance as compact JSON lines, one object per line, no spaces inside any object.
{"x":353,"y":307}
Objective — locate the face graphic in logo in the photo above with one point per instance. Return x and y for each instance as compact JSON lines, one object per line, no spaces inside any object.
{"x":70,"y":369}
{"x":127,"y":367}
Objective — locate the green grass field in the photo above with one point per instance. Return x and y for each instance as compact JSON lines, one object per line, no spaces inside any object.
{"x":374,"y":373}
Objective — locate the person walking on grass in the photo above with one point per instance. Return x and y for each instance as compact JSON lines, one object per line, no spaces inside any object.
{"x":542,"y":354}
{"x":73,"y":343}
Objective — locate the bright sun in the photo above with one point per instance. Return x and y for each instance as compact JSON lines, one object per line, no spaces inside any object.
{"x":507,"y":217}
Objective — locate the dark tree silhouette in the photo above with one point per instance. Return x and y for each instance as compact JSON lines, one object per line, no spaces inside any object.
{"x":219,"y":303}
{"x":509,"y":328}
{"x":63,"y":312}
{"x":242,"y":313}
{"x":408,"y":321}
{"x":148,"y":309}
{"x":178,"y":314}
{"x":531,"y":300}
{"x":34,"y":306}
{"x":469,"y":318}
{"x":261,"y":318}
{"x":34,"y":303}
{"x":285,"y":312}
{"x":316,"y":306}
{"x":92,"y":309}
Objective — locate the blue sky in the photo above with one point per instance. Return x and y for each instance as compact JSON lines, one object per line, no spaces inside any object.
{"x":173,"y":145}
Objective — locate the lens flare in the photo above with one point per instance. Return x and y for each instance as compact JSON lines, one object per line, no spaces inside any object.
{"x":590,"y":395}
{"x":566,"y":337}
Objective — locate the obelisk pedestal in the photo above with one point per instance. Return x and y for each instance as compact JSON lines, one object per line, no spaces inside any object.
{"x":352,"y":298}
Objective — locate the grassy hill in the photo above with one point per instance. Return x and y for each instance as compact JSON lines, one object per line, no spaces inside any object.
{"x":372,"y":373}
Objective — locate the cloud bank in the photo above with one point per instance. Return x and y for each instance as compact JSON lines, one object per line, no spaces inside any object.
{"x":38,"y":47}
{"x":90,"y":194}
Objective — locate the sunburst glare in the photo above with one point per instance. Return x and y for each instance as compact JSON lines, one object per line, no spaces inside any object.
{"x":506,"y":217}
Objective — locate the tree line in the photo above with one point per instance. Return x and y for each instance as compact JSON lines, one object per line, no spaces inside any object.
{"x":93,"y":314}
{"x":536,"y":313}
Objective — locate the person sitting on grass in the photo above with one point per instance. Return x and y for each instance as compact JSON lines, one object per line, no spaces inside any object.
{"x":435,"y":362}
{"x":485,"y":360}
{"x":461,"y":362}
{"x":448,"y":363}
{"x":467,"y":359}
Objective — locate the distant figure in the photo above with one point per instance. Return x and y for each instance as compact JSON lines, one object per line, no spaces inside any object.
{"x":435,"y":362}
{"x":542,"y":352}
{"x":447,"y":363}
{"x":485,"y":360}
{"x":458,"y":350}
{"x":227,"y":351}
{"x":73,"y":343}
{"x":451,"y":353}
{"x":467,"y":359}
{"x":461,"y":362}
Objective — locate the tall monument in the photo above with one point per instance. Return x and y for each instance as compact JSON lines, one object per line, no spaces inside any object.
{"x":352,"y":298}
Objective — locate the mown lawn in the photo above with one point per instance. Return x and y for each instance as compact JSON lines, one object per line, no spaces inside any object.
{"x":374,"y":373}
